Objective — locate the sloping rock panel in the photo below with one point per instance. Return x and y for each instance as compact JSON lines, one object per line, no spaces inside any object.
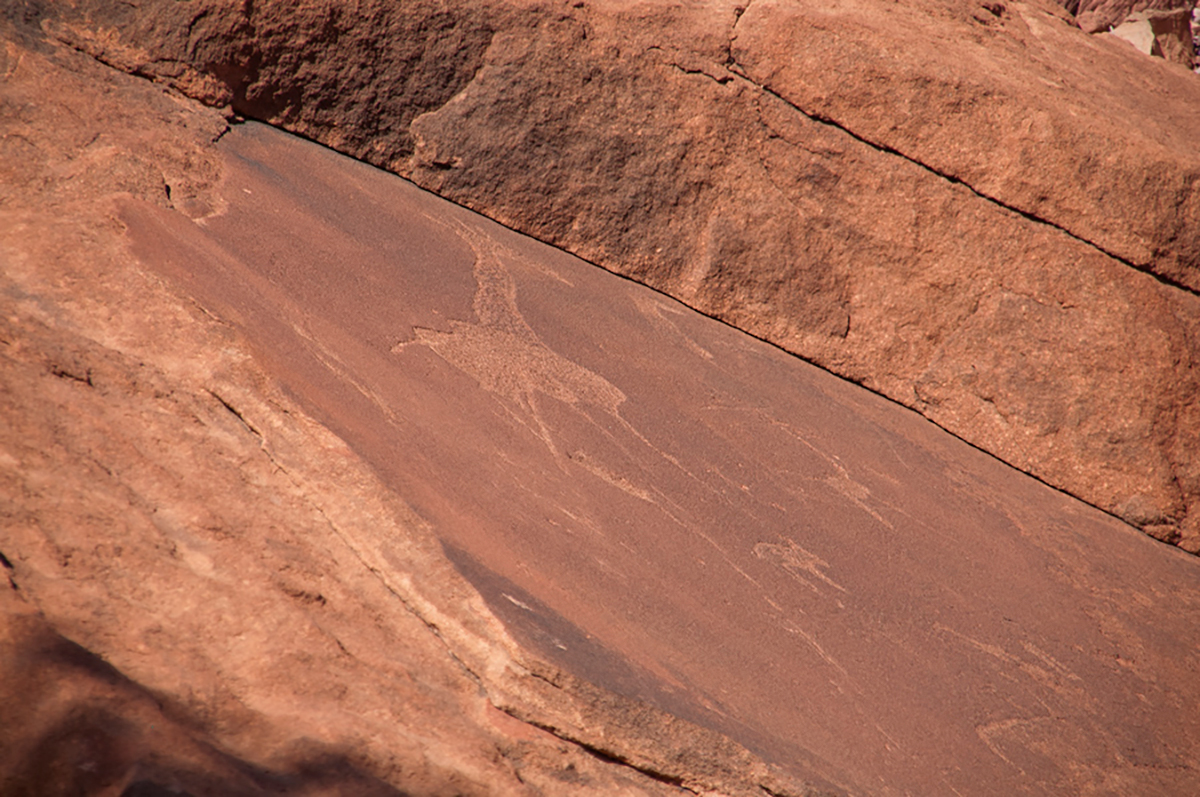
{"x":665,"y":506}
{"x":646,"y":497}
{"x":953,"y":204}
{"x":202,"y":590}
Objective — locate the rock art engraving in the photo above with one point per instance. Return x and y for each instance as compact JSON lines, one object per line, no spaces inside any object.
{"x":855,"y":492}
{"x":1039,"y":665}
{"x":505,"y":356}
{"x":656,"y":310}
{"x":593,"y":467}
{"x":797,"y":561}
{"x":1018,"y":737}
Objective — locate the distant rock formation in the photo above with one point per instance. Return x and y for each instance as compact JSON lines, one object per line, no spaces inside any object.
{"x":1161,"y":28}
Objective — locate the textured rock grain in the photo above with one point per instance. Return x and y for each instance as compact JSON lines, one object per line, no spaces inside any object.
{"x":205,"y":591}
{"x":1095,"y":16}
{"x":974,"y":209}
{"x":211,"y":592}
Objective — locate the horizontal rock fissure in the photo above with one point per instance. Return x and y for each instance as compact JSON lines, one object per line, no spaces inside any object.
{"x":608,"y":756}
{"x":736,"y":69}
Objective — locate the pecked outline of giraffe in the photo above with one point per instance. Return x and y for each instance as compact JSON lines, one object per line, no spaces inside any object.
{"x":502,"y":353}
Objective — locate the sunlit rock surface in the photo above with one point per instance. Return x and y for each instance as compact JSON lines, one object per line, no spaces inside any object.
{"x":973,"y":208}
{"x":265,"y":408}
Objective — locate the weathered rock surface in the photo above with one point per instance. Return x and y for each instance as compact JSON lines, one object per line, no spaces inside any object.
{"x":1095,"y":16}
{"x":1162,"y":28}
{"x":958,"y":205}
{"x":648,"y":498}
{"x":203,"y":590}
{"x":665,"y":506}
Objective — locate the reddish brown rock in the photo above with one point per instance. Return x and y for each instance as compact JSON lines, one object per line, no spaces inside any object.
{"x":1096,"y":16}
{"x":649,"y":498}
{"x":941,"y":201}
{"x":1165,"y":34}
{"x":202,"y":590}
{"x":1161,"y":28}
{"x":665,"y":506}
{"x":1016,"y":104}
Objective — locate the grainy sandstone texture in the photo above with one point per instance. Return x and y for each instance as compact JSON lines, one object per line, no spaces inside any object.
{"x":210,"y":592}
{"x":202,"y":590}
{"x":974,"y":209}
{"x":1095,"y":16}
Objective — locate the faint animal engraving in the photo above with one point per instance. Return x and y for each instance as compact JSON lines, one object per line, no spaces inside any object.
{"x":798,"y":562}
{"x":506,"y":357}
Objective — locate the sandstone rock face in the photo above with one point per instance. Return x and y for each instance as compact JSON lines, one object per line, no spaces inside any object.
{"x":975,"y":210}
{"x":210,"y":592}
{"x":202,"y":590}
{"x":1165,"y":34}
{"x":663,"y":505}
{"x":1095,"y":16}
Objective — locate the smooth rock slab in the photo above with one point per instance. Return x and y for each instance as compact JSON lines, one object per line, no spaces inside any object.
{"x":953,"y":203}
{"x":202,"y":590}
{"x":675,"y":510}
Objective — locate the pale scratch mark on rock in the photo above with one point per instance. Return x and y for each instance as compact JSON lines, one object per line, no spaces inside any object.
{"x":845,"y":685}
{"x":857,"y":492}
{"x":1050,"y":661}
{"x":796,"y":560}
{"x":791,"y":628}
{"x":987,"y":731}
{"x":604,"y":474}
{"x":328,"y":358}
{"x":991,"y":650}
{"x":653,"y":308}
{"x":1052,"y":678}
{"x":1009,"y":730}
{"x":516,"y":602}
